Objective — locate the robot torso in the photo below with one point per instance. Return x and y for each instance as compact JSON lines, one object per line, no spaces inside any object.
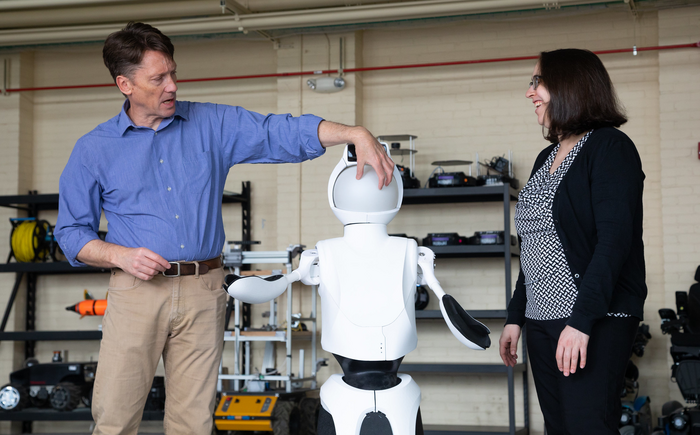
{"x":367,"y":298}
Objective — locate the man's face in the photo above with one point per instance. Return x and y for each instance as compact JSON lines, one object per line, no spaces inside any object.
{"x":151,"y":89}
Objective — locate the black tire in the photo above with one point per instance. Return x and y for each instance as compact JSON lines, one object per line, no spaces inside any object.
{"x":215,"y":431}
{"x":40,"y":399}
{"x":87,"y":398}
{"x":65,"y":396}
{"x":309,"y":408}
{"x":13,"y":397}
{"x":669,"y":407}
{"x":285,"y":418}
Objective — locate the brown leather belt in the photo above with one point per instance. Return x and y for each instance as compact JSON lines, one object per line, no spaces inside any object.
{"x":181,"y":268}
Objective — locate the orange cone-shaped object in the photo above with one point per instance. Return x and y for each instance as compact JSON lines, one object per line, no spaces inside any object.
{"x":89,"y":307}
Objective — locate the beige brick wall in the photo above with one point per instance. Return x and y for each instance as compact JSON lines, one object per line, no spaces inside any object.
{"x":679,"y":125}
{"x":456,"y":112}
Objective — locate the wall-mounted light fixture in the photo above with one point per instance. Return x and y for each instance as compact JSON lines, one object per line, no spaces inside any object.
{"x":327,"y":85}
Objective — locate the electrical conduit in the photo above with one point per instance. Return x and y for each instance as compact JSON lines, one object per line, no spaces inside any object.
{"x":366,"y":69}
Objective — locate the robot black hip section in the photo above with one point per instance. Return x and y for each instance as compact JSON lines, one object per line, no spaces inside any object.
{"x":370,"y":375}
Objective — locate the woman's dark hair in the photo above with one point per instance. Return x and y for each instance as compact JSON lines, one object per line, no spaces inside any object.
{"x":582,"y":96}
{"x":124,"y":50}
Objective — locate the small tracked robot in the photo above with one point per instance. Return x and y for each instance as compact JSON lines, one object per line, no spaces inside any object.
{"x":367,"y":282}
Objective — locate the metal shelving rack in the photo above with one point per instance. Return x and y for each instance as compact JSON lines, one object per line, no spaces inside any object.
{"x":494,"y":193}
{"x":286,"y":336}
{"x":32,"y":204}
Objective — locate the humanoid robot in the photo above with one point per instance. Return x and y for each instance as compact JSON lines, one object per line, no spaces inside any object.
{"x":367,"y":282}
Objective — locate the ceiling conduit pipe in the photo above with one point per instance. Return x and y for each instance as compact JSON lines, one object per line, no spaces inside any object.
{"x":53,"y":17}
{"x":290,"y":19}
{"x":366,"y":69}
{"x":44,"y":4}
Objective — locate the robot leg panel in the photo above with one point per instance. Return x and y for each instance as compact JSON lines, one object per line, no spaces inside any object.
{"x":367,"y":412}
{"x":400,"y":404}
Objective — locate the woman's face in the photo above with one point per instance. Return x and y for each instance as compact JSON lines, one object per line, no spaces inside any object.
{"x":537,"y":92}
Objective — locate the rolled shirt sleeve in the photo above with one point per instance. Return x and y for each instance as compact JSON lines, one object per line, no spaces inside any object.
{"x":268,"y":138}
{"x":79,"y":207}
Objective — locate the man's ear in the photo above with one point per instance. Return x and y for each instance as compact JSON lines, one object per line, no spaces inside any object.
{"x":124,"y":85}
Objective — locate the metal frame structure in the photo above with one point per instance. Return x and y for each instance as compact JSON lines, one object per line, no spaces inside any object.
{"x":495,"y":193}
{"x":411,"y":151}
{"x":286,"y":336}
{"x":32,"y":204}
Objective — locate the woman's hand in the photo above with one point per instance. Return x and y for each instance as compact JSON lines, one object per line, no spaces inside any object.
{"x":572,"y":342}
{"x":508,"y":345}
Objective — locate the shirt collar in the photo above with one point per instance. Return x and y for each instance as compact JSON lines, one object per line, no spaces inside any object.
{"x":124,"y":122}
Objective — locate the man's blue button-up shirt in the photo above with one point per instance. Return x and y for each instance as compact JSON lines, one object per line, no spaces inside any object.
{"x":162,"y":189}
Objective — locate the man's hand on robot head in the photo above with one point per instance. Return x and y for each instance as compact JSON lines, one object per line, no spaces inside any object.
{"x":371,"y":152}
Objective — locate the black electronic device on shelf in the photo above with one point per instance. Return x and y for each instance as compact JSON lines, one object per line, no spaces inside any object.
{"x":491,"y":238}
{"x":445,"y":239}
{"x":407,"y":175}
{"x":479,"y":238}
{"x":499,"y":170}
{"x":440,"y":178}
{"x":451,"y":179}
{"x":407,"y":178}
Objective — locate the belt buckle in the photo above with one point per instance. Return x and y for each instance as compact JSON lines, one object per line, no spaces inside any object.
{"x":178,"y":270}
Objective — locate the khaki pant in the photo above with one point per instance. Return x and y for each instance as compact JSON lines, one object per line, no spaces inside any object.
{"x":181,"y":319}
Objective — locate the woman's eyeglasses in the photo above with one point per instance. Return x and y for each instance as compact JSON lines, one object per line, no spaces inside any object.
{"x":535,"y":81}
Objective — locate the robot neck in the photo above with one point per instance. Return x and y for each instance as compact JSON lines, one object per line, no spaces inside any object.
{"x":364,"y":235}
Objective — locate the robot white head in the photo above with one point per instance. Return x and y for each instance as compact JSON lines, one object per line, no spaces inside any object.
{"x":360,"y":201}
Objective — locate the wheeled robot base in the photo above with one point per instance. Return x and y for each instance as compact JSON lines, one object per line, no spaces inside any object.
{"x":270,"y":411}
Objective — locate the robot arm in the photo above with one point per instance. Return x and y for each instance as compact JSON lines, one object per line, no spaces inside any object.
{"x":464,"y":327}
{"x":255,"y":290}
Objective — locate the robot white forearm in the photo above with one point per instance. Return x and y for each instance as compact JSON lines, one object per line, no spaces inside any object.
{"x":469,"y":331}
{"x":256,"y":290}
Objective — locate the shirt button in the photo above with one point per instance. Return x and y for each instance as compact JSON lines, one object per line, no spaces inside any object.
{"x":182,"y":246}
{"x":169,"y":189}
{"x":576,"y":276}
{"x":155,"y":134}
{"x":161,"y":160}
{"x":177,"y":216}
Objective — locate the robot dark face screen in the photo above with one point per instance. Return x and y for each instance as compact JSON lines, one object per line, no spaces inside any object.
{"x":352,"y":155}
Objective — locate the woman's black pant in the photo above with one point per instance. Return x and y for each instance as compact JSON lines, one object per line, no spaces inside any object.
{"x":586,"y":402}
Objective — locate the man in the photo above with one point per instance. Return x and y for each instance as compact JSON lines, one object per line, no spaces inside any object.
{"x":158,"y":171}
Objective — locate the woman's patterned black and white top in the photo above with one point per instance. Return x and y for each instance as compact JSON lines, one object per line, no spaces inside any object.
{"x":550,"y":288}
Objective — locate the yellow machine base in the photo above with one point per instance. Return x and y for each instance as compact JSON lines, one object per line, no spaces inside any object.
{"x":244,"y":425}
{"x":245,"y":413}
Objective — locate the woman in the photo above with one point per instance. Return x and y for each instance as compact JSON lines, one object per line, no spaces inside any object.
{"x":581,"y":286}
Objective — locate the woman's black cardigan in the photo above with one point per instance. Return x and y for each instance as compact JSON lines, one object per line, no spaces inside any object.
{"x":597,"y":213}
